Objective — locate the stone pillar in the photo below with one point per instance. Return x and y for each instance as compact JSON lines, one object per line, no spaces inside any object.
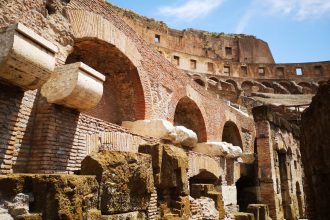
{"x":266,"y":166}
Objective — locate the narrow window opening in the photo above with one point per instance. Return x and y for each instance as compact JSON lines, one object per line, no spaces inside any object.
{"x":229,"y":51}
{"x":157,"y":38}
{"x":261,"y":71}
{"x":226,"y":70}
{"x":243,"y":70}
{"x":299,"y":72}
{"x":210,"y":67}
{"x":176,"y":60}
{"x":280,"y":71}
{"x":318,"y":70}
{"x":193,"y":64}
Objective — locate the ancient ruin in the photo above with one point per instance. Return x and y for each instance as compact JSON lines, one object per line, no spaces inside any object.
{"x":106,"y":114}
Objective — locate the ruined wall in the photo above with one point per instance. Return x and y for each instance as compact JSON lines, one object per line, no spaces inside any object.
{"x":280,"y":169}
{"x":315,"y":153}
{"x":58,"y":143}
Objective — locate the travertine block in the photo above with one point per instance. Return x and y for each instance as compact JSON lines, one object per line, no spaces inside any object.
{"x":156,"y":128}
{"x":218,"y":149}
{"x":26,"y":59}
{"x":75,"y":86}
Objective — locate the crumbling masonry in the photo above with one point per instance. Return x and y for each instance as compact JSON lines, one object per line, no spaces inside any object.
{"x":105,"y":114}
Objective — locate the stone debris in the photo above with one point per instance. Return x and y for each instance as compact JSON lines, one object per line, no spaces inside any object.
{"x":185,"y":136}
{"x":125,"y":178}
{"x":219,"y":149}
{"x":207,"y":208}
{"x":156,"y":128}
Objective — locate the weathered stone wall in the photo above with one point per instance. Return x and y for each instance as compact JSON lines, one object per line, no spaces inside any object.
{"x":280,"y":169}
{"x":16,"y":127}
{"x":315,"y":142}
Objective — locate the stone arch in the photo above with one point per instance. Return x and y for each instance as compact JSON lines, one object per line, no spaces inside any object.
{"x":231,"y":134}
{"x":214,"y":79}
{"x":123,"y":96}
{"x":199,"y":82}
{"x":204,"y":177}
{"x":267,"y":84}
{"x":233,"y":83}
{"x":308,"y":88}
{"x":188,"y":114}
{"x":104,"y":30}
{"x":249,"y":87}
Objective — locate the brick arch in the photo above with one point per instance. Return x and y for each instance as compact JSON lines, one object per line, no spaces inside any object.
{"x":231,"y":134}
{"x":247,"y":87}
{"x":187,"y":113}
{"x":103,"y":30}
{"x":123,"y":98}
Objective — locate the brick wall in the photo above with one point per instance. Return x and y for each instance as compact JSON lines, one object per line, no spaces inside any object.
{"x":16,"y":122}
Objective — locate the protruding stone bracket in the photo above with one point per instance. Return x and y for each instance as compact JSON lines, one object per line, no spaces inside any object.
{"x":75,"y":86}
{"x":26,"y":58}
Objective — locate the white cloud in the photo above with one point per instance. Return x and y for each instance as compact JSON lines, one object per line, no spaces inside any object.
{"x":191,"y":9}
{"x":296,"y":9}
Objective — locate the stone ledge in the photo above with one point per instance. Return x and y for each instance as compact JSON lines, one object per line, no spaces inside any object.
{"x":26,"y":58}
{"x":75,"y":86}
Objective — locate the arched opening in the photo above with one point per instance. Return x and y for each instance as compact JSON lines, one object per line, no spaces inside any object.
{"x":249,"y":87}
{"x":246,"y":192}
{"x":267,"y":84}
{"x":232,"y":82}
{"x":188,"y":114}
{"x":214,"y":79}
{"x":307,"y":88}
{"x":200,"y":82}
{"x":123,"y":97}
{"x":231,"y":134}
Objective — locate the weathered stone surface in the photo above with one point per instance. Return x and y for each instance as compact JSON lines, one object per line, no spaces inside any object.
{"x":219,"y":149}
{"x":260,"y":211}
{"x":170,"y":166}
{"x":243,"y":216}
{"x":199,"y":163}
{"x":315,"y":148}
{"x":229,"y":194}
{"x":75,"y":86}
{"x":26,"y":59}
{"x":212,"y":148}
{"x":208,"y":209}
{"x":96,"y":215}
{"x":185,"y":136}
{"x":55,"y":196}
{"x":156,"y":128}
{"x":125,"y":179}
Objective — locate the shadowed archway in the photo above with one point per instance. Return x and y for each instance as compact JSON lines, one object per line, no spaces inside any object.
{"x":231,"y":134}
{"x":123,"y":97}
{"x":188,"y":114}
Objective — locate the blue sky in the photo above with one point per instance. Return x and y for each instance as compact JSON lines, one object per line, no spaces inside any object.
{"x":296,"y":30}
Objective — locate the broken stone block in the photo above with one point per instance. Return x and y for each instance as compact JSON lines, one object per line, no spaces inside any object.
{"x":55,"y":196}
{"x":260,"y":211}
{"x":208,"y":209}
{"x":170,"y":166}
{"x":125,"y":179}
{"x":96,"y":215}
{"x":243,"y":216}
{"x":26,"y":58}
{"x":218,"y":149}
{"x":185,"y":136}
{"x":212,"y":148}
{"x":156,"y":128}
{"x":75,"y":86}
{"x":19,"y":205}
{"x":204,"y":166}
{"x":229,"y":195}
